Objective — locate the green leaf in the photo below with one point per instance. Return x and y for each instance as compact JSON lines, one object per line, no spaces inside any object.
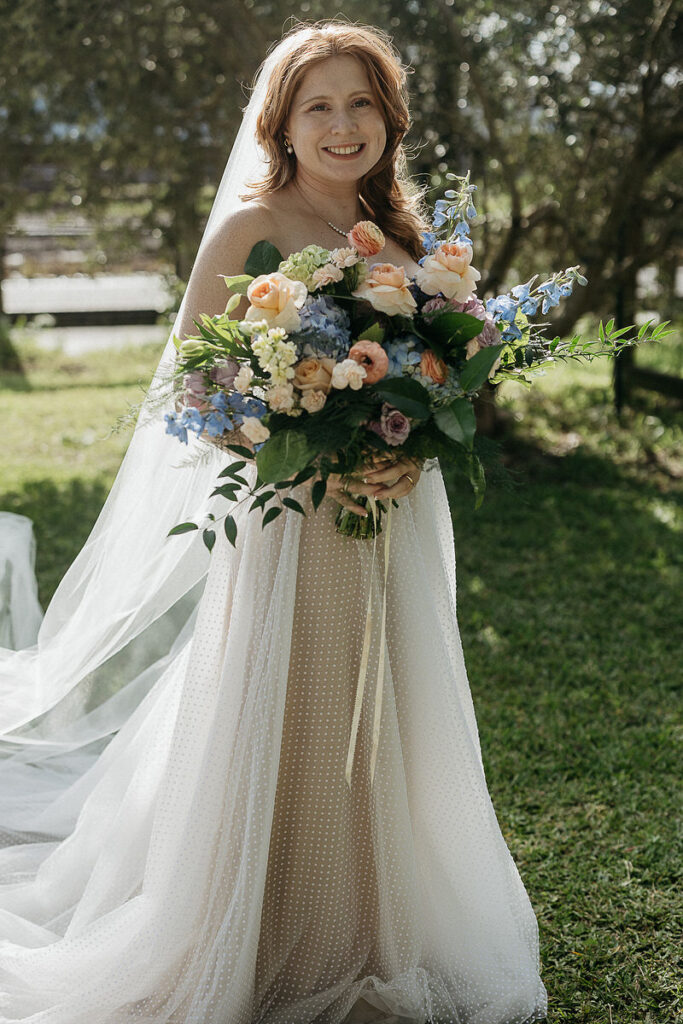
{"x":232,"y":468}
{"x":406,"y":394}
{"x":601,"y":332}
{"x":238,"y":283}
{"x":182,"y":528}
{"x":240,"y":449}
{"x":226,"y":491}
{"x":293,"y":503}
{"x":282,"y":455}
{"x":457,"y":421}
{"x":264,"y":258}
{"x":477,"y":369}
{"x":233,"y":302}
{"x":209,"y":538}
{"x":318,"y":492}
{"x":271,"y":514}
{"x":450,"y":328}
{"x":305,"y":474}
{"x":230,"y":527}
{"x":375,"y":332}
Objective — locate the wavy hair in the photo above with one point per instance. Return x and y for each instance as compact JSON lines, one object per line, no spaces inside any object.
{"x":392,"y":199}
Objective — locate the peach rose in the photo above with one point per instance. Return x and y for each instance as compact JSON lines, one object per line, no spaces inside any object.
{"x":433,"y":367}
{"x":275,"y":298}
{"x":373,"y":358}
{"x":448,"y":271}
{"x":314,"y":374}
{"x":386,"y":289}
{"x":366,"y":238}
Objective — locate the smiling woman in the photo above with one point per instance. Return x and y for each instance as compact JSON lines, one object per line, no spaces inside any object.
{"x":184,"y":845}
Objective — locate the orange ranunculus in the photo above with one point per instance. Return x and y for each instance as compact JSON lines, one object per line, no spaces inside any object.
{"x":433,"y":367}
{"x":366,"y":238}
{"x":373,"y":357}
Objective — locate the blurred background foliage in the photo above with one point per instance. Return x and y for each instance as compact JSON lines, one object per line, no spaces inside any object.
{"x":568,"y":114}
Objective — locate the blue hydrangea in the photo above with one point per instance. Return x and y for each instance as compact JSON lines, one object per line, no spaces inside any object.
{"x":325,"y":328}
{"x":404,"y":350}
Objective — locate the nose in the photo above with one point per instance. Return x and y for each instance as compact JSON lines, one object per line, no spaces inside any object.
{"x":343,"y":122}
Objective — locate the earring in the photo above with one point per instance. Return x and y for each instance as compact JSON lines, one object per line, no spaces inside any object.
{"x":288,"y":145}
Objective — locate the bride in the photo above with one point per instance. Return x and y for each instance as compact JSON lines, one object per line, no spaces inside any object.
{"x":180,"y":842}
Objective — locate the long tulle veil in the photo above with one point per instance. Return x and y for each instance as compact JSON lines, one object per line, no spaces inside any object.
{"x":128,"y":602}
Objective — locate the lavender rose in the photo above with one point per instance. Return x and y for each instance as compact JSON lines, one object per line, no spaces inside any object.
{"x":224,"y":373}
{"x":395,"y":425}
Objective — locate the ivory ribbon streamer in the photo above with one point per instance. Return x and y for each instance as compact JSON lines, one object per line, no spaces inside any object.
{"x":366,"y":652}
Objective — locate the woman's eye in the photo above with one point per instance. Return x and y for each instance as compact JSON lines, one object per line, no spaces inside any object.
{"x":319,"y":106}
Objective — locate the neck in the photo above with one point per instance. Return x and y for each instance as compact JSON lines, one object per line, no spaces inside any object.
{"x":337,"y":201}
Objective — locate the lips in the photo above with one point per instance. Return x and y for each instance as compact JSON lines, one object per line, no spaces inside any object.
{"x":357,"y":152}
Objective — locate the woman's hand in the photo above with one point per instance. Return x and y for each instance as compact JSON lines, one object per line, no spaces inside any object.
{"x":378,"y":477}
{"x":388,"y":479}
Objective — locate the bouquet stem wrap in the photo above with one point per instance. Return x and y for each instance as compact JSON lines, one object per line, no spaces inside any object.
{"x":366,"y":652}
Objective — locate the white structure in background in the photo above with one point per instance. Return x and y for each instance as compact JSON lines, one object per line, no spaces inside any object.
{"x":20,"y":610}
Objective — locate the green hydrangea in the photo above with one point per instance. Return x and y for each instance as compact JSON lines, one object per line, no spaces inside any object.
{"x":301,"y":266}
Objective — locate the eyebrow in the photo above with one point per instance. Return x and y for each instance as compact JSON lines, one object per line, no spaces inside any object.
{"x":358,"y":92}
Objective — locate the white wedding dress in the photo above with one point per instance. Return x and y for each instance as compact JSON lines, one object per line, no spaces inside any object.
{"x":212,"y":866}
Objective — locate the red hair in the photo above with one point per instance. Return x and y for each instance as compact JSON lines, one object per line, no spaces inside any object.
{"x":393,"y":201}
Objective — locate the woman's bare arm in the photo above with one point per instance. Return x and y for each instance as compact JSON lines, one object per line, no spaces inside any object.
{"x":225,"y":252}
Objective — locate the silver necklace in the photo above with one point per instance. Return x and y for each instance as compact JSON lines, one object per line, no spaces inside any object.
{"x":310,"y":206}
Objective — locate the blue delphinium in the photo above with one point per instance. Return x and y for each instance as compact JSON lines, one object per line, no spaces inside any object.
{"x":553,"y":292}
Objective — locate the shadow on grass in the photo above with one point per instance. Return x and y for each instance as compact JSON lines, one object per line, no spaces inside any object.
{"x":568,"y":603}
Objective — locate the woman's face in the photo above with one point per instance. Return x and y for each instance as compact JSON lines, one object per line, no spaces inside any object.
{"x":334,"y":107}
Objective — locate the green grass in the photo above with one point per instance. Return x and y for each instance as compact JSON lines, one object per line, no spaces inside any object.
{"x":569,"y":592}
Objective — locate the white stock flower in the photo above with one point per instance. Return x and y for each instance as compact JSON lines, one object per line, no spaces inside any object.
{"x":243,"y":379}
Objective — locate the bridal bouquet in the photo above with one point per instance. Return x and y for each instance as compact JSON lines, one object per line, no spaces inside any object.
{"x":338,"y":359}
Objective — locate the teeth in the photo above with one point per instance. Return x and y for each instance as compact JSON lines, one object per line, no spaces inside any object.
{"x":343,"y":149}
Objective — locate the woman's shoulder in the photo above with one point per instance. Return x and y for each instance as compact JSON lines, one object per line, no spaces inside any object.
{"x":245,"y":221}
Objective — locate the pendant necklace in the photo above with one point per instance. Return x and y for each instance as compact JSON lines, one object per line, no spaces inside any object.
{"x":333,"y":226}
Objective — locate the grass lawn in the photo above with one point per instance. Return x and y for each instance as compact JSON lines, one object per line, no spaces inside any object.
{"x":569,"y":595}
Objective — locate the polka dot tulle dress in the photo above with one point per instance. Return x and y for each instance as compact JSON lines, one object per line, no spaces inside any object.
{"x":221,"y":870}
